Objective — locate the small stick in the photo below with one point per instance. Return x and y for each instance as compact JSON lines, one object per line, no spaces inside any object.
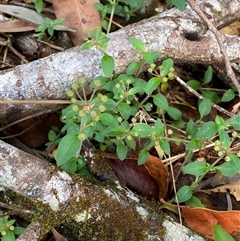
{"x":219,"y":108}
{"x":35,"y":102}
{"x":218,"y":36}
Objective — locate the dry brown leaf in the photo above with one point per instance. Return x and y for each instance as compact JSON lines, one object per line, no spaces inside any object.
{"x":16,"y":26}
{"x":58,"y":236}
{"x":149,"y":179}
{"x":159,"y":172}
{"x":136,"y":177}
{"x":202,"y":220}
{"x":79,"y":15}
{"x":233,"y":187}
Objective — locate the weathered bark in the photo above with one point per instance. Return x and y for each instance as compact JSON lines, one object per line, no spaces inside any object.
{"x":179,"y":35}
{"x":109,"y":210}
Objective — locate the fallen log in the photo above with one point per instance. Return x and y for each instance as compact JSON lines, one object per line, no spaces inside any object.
{"x":94,"y":210}
{"x":179,"y":35}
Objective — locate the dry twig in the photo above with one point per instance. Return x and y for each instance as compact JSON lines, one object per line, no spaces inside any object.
{"x":218,"y":36}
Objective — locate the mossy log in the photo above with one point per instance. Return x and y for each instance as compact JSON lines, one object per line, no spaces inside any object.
{"x":94,"y":210}
{"x":179,"y":35}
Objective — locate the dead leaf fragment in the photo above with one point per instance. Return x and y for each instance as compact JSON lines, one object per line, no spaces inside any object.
{"x":29,"y":15}
{"x":159,"y":172}
{"x":58,"y":236}
{"x":79,"y":15}
{"x":16,"y":26}
{"x":202,"y":220}
{"x":149,"y":179}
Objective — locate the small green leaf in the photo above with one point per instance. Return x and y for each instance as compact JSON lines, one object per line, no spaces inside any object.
{"x":72,"y":128}
{"x":87,"y":45}
{"x":134,"y":66}
{"x":39,"y":5}
{"x":125,"y":110}
{"x":230,"y":168}
{"x":196,"y":168}
{"x":98,"y":82}
{"x":164,"y":144}
{"x":193,"y":144}
{"x":107,"y":64}
{"x":149,"y":57}
{"x":113,"y":131}
{"x":142,"y":129}
{"x":234,"y":122}
{"x":194,"y":84}
{"x":67,"y":148}
{"x":235,"y":161}
{"x":212,"y":95}
{"x":130,"y":143}
{"x":221,"y":234}
{"x":184,"y":193}
{"x":121,"y":150}
{"x":228,"y":95}
{"x":141,"y":84}
{"x":191,"y":129}
{"x":108,"y":120}
{"x":9,"y":236}
{"x":105,"y":23}
{"x":159,"y":128}
{"x":152,"y":84}
{"x":134,"y":90}
{"x":160,"y":101}
{"x":208,"y":75}
{"x":175,"y":113}
{"x":207,"y":130}
{"x":227,"y":169}
{"x":50,"y":31}
{"x":52,"y":136}
{"x":180,"y":4}
{"x":143,"y":156}
{"x":70,"y":165}
{"x":166,"y":65}
{"x":224,"y":139}
{"x":219,"y":121}
{"x":194,"y":202}
{"x":18,"y":230}
{"x":205,"y":107}
{"x":98,"y":6}
{"x":137,"y":43}
{"x":10,"y":222}
{"x":58,"y":21}
{"x":110,"y":104}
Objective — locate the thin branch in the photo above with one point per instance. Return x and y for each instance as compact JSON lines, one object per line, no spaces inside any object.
{"x":219,"y":108}
{"x":218,"y":36}
{"x":35,"y":102}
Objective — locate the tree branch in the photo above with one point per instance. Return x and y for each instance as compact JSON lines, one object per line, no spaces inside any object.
{"x":109,"y":210}
{"x":170,"y":32}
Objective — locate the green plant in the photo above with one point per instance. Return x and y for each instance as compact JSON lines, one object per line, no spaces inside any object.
{"x":210,"y":93}
{"x":119,"y":116}
{"x":180,"y":4}
{"x":38,"y":5}
{"x":7,"y":230}
{"x":125,"y":109}
{"x":126,"y":9}
{"x":216,"y":132}
{"x":220,"y":234}
{"x":123,"y":8}
{"x":48,"y":26}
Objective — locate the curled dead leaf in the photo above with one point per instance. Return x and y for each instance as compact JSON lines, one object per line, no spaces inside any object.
{"x":150,"y":179}
{"x":202,"y":220}
{"x":80,"y":15}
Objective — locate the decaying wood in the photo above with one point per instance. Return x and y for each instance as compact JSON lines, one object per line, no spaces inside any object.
{"x":179,"y":35}
{"x":109,"y":210}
